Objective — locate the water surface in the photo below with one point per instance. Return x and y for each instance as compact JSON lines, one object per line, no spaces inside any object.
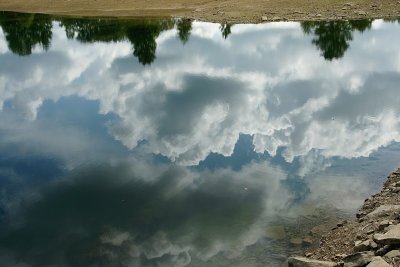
{"x":181,"y":143}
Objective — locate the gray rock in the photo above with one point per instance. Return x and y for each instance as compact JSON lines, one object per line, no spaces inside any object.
{"x":364,"y":245}
{"x":393,"y":254}
{"x":378,"y":262}
{"x":305,"y":262}
{"x":389,"y":238}
{"x":383,"y":224}
{"x":383,"y":209}
{"x":358,"y":259}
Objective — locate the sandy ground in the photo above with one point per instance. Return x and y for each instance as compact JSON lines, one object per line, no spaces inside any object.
{"x":223,"y":11}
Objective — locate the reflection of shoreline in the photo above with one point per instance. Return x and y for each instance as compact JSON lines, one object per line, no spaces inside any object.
{"x":365,"y":235}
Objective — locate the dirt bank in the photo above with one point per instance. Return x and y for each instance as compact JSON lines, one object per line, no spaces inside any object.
{"x":223,"y":11}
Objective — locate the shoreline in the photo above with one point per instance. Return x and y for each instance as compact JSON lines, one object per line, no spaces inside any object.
{"x":372,"y":238}
{"x":234,"y":11}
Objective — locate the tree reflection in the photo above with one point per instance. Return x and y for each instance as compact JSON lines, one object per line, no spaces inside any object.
{"x":141,"y":33}
{"x":24,"y":31}
{"x":333,"y":37}
{"x":225,"y":29}
{"x":143,"y":38}
{"x":184,"y":27}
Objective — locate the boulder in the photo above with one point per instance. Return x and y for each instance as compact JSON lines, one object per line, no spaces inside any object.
{"x":378,"y":262}
{"x":364,"y":245}
{"x":296,"y":241}
{"x":358,"y":259}
{"x":393,"y":254}
{"x":383,"y":209}
{"x":305,"y":262}
{"x":389,"y":238}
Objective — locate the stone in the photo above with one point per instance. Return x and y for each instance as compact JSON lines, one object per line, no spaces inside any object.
{"x":393,"y":254}
{"x":383,"y":250}
{"x":364,"y":245}
{"x":358,"y":259}
{"x":295,"y":241}
{"x":264,"y":18}
{"x":305,"y":262}
{"x":362,"y":13}
{"x":378,"y":262}
{"x":390,"y":237}
{"x":383,"y":224}
{"x":361,"y":246}
{"x":276,"y":232}
{"x":307,"y":241}
{"x":384,"y":209}
{"x":276,"y":18}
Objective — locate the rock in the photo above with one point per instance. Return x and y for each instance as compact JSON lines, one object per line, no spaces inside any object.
{"x":304,"y":262}
{"x":358,"y":259}
{"x":364,"y":245}
{"x":384,"y":209}
{"x":276,"y":18}
{"x":276,"y":232}
{"x":264,"y":18}
{"x":378,"y":262}
{"x":340,"y":224}
{"x":361,"y":246}
{"x":307,"y":241}
{"x":389,"y":238}
{"x":383,"y":224}
{"x":295,"y":241}
{"x":318,"y":15}
{"x":393,"y":254}
{"x":362,"y":13}
{"x":383,"y":250}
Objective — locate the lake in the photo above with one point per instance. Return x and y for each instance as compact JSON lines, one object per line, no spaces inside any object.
{"x":181,"y":143}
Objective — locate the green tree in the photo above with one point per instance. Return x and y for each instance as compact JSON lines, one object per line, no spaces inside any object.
{"x":333,"y":37}
{"x":225,"y":29}
{"x":24,"y":31}
{"x":184,"y":27}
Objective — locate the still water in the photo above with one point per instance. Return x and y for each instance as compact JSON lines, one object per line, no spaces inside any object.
{"x":181,"y":143}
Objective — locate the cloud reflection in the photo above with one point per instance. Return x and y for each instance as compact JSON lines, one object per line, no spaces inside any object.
{"x":190,"y":103}
{"x":145,"y":215}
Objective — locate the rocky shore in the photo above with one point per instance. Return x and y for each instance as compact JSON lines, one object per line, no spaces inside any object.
{"x":372,"y":239}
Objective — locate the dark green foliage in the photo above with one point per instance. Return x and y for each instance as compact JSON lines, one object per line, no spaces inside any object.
{"x":184,"y":27}
{"x":225,"y":29}
{"x":24,"y":31}
{"x":333,"y":37}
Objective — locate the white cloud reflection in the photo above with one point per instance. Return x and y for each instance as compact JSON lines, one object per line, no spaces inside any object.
{"x":264,"y":80}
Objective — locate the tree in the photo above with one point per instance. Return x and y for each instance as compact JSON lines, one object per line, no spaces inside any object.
{"x":225,"y":29}
{"x":333,"y":38}
{"x":184,"y":27}
{"x":24,"y":31}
